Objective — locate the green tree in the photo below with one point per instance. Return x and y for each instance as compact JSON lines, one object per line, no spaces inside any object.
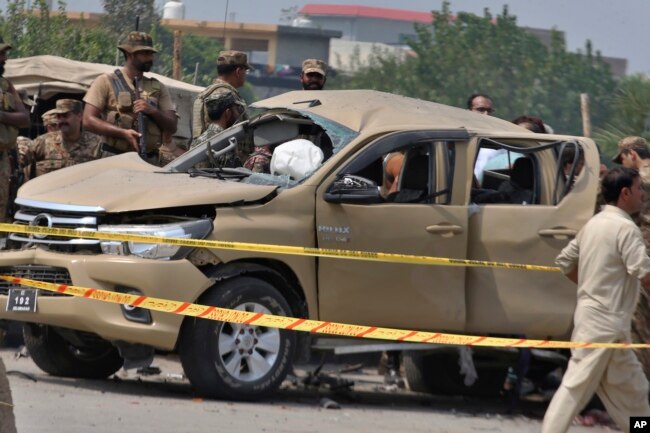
{"x":35,"y":32}
{"x":630,"y":113}
{"x":119,"y":17}
{"x":463,"y":54}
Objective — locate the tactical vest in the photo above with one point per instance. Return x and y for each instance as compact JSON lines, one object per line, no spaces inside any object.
{"x":122,"y":114}
{"x":200,"y":119}
{"x":8,"y":133}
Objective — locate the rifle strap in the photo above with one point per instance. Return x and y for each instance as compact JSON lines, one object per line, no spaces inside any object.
{"x":122,"y":84}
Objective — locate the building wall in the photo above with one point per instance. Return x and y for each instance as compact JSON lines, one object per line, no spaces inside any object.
{"x":293,"y":49}
{"x":366,"y":29}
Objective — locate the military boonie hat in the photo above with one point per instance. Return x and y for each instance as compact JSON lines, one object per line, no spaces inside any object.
{"x":314,"y":65}
{"x":3,"y":45}
{"x":22,"y":94}
{"x":630,"y":143}
{"x":67,"y":105}
{"x":235,"y":58}
{"x":137,"y":41}
{"x":49,"y":117}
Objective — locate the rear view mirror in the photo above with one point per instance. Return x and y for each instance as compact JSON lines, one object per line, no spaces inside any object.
{"x":348,"y":188}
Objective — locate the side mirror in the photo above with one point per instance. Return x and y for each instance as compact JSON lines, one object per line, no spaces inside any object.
{"x":348,"y":188}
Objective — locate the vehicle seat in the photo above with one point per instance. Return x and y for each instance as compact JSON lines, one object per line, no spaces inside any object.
{"x":413,"y":181}
{"x":519,"y":189}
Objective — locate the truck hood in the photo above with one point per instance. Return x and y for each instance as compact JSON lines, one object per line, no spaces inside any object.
{"x":126,"y":183}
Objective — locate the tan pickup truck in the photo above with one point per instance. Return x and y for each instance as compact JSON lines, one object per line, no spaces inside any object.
{"x":470,"y":186}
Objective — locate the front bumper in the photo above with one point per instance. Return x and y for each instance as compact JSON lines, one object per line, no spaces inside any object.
{"x":176,"y":280}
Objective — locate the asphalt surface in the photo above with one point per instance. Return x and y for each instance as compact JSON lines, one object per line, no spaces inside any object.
{"x":164,"y":402}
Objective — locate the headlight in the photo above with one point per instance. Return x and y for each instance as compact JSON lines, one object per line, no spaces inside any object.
{"x":198,"y":229}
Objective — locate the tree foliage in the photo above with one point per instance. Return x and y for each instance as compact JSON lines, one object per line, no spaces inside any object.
{"x":119,"y":17}
{"x":630,"y":113}
{"x":35,"y":32}
{"x":456,"y":56}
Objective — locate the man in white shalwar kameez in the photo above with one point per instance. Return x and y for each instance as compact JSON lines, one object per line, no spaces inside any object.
{"x":608,"y":261}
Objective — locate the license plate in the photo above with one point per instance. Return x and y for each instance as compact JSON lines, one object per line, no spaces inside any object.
{"x":22,"y":300}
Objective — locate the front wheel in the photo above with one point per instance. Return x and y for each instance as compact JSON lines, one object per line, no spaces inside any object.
{"x":90,"y":357}
{"x":236,"y":361}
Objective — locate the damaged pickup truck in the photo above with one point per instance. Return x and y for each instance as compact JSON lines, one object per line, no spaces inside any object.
{"x":522,"y":210}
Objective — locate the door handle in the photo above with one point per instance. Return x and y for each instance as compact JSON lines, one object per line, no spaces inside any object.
{"x":445,"y":229}
{"x":558,"y":233}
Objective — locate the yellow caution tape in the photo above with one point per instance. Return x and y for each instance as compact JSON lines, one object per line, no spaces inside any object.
{"x":266,"y":248}
{"x":306,"y":325}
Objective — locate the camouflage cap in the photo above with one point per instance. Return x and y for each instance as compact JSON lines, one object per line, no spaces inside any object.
{"x":67,"y":105}
{"x":235,"y":58}
{"x":220,"y":99}
{"x":3,"y":45}
{"x":49,"y":117}
{"x":630,"y":143}
{"x":137,"y":41}
{"x":314,"y":65}
{"x":24,"y":97}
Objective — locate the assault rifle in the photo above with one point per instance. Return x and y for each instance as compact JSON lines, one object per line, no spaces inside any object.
{"x":142,"y":149}
{"x":16,"y":179}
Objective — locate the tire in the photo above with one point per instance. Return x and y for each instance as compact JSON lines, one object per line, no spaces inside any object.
{"x":220,"y":365}
{"x":95,"y":359}
{"x":439,"y":373}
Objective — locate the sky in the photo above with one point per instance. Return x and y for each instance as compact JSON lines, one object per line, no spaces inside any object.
{"x":616,"y":28}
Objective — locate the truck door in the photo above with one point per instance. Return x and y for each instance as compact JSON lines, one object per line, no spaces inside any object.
{"x":418,"y":217}
{"x":529,"y":227}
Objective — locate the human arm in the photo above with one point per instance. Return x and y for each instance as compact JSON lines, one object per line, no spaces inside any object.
{"x":19,"y":118}
{"x":573,"y":274}
{"x":93,"y":122}
{"x":567,"y":260}
{"x":162,"y":112}
{"x":166,"y":120}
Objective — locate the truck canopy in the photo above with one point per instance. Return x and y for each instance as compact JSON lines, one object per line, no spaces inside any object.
{"x":60,"y":77}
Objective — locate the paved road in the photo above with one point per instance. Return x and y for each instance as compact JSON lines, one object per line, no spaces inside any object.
{"x":164,"y":403}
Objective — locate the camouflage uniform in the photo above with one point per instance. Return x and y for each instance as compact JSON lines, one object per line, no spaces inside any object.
{"x":260,"y":160}
{"x":640,"y":322}
{"x":24,"y":156}
{"x":229,"y":160}
{"x":200,"y":119}
{"x":9,"y":102}
{"x":50,"y":152}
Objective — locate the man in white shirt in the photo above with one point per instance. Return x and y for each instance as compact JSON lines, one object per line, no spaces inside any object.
{"x":608,"y":261}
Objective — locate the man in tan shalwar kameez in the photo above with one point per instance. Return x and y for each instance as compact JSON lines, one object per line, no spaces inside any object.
{"x":608,"y":261}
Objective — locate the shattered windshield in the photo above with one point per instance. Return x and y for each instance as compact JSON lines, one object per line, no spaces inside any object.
{"x":275,"y":147}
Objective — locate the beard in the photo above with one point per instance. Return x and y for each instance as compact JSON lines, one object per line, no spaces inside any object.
{"x":312,"y":86}
{"x":146,"y":66}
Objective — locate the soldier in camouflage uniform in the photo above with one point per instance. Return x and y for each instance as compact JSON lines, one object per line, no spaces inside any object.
{"x":24,"y":143}
{"x":13,"y":116}
{"x":70,"y":145}
{"x":313,"y":75}
{"x":49,"y":121}
{"x":223,"y":110}
{"x":113,"y":105}
{"x":232,"y":67}
{"x":260,"y":160}
{"x":633,"y":152}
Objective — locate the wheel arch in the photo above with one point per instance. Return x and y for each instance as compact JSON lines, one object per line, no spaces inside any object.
{"x":278,"y":274}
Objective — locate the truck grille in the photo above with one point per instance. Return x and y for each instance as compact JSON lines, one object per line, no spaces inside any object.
{"x":54,"y":219}
{"x":48,"y":274}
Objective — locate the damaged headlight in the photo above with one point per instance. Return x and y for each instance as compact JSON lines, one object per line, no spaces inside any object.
{"x":198,"y":229}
